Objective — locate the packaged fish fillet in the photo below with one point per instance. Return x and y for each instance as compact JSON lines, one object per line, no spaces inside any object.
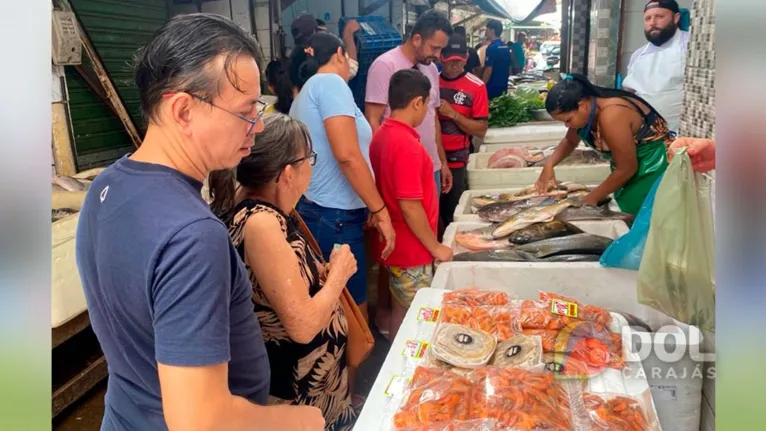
{"x":435,"y":396}
{"x":462,"y":346}
{"x":521,"y":400}
{"x":520,"y":351}
{"x":611,"y":412}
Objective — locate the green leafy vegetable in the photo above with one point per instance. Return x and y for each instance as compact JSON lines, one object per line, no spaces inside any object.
{"x":526,"y":92}
{"x":508,"y":111}
{"x":535,"y":104}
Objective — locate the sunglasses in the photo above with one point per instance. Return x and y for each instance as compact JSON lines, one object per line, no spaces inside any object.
{"x":260,"y":107}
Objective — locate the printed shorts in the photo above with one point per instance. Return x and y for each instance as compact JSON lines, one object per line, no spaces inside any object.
{"x":404,"y":283}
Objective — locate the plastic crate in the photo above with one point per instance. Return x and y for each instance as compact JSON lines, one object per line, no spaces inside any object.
{"x":376,"y":37}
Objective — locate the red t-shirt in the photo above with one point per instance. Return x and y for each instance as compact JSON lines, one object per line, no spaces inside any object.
{"x":404,"y":170}
{"x":467,"y":95}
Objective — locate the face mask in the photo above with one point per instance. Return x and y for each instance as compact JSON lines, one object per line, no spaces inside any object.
{"x":353,"y":67}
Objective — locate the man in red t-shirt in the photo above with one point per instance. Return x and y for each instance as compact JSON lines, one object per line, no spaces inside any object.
{"x":463,"y":113}
{"x":404,"y":177}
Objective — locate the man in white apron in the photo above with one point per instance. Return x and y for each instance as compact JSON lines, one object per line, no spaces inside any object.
{"x":656,"y":70}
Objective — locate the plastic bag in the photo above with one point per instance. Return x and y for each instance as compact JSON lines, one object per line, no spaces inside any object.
{"x":521,"y":400}
{"x":472,"y":425}
{"x":435,"y":396}
{"x":611,"y":412}
{"x":520,"y":351}
{"x":590,"y":313}
{"x":626,"y":251}
{"x":558,"y":315}
{"x":496,"y":320}
{"x":677,"y":273}
{"x":463,"y":347}
{"x":475,"y":297}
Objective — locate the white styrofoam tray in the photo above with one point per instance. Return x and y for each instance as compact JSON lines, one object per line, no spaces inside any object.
{"x":464,"y":210}
{"x":67,"y":295}
{"x":675,"y":381}
{"x":527,"y":132}
{"x":491,"y":148}
{"x":388,"y":390}
{"x":609,"y":228}
{"x":480,"y":177}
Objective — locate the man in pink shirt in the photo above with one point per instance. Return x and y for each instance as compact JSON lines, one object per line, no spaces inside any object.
{"x":429,"y":36}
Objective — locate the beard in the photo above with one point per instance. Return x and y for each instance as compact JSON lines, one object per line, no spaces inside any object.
{"x":664,"y":35}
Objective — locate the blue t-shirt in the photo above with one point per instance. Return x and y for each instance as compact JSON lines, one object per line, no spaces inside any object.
{"x":518,"y":54}
{"x":326,"y":95}
{"x":163,"y":283}
{"x":498,"y":57}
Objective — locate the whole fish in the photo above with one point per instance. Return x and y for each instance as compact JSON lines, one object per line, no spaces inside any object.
{"x":494,"y":256}
{"x":590,"y":212}
{"x":68,"y":183}
{"x":574,"y":187}
{"x":530,"y":216}
{"x":513,"y":197}
{"x":573,"y":258}
{"x":480,"y":239}
{"x":541,"y":231}
{"x":581,"y":243}
{"x":483,"y":200}
{"x":500,"y":211}
{"x":582,"y":193}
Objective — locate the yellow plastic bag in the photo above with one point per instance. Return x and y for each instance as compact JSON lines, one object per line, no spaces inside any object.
{"x":677,"y":273}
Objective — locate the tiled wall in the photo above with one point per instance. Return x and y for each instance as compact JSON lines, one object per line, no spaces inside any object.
{"x":603,"y":43}
{"x":698,"y":115}
{"x":579,"y":33}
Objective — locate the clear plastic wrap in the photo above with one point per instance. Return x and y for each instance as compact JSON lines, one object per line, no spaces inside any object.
{"x":472,"y":425}
{"x":596,"y":352}
{"x":546,"y":314}
{"x":434,"y":396}
{"x":521,"y":400}
{"x":475,"y":297}
{"x":461,"y":346}
{"x":589,"y":313}
{"x":500,"y":321}
{"x":520,"y":351}
{"x":564,"y":366}
{"x":612,"y":412}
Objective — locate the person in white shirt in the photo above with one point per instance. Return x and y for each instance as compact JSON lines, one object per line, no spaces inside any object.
{"x":656,"y":70}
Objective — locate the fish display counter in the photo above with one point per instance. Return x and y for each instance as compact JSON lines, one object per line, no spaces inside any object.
{"x":442,"y":375}
{"x":518,"y":171}
{"x":524,"y":134}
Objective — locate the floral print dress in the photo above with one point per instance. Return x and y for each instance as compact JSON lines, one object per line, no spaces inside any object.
{"x":312,"y":374}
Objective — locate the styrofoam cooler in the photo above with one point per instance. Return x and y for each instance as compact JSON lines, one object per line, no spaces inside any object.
{"x":608,"y":228}
{"x":491,"y":148}
{"x":678,"y":400}
{"x":527,"y":132}
{"x":67,"y":295}
{"x":464,"y":209}
{"x":480,"y":177}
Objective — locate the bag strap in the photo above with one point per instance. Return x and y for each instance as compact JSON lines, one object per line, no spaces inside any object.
{"x":310,"y":240}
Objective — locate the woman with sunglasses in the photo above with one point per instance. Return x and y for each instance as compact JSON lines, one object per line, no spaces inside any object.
{"x":342,"y":192}
{"x":296,"y":297}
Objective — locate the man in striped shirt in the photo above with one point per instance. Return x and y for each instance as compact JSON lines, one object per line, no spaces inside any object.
{"x":463,"y":113}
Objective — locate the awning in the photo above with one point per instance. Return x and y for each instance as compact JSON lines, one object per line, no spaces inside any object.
{"x":491,"y":7}
{"x":518,"y":11}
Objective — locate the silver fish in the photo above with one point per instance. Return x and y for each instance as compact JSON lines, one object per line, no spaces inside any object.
{"x":502,"y":210}
{"x":494,"y":256}
{"x":538,"y":214}
{"x":581,"y":243}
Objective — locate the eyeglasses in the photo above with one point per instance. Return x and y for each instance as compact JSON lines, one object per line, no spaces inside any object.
{"x":311,"y":158}
{"x":261,"y":108}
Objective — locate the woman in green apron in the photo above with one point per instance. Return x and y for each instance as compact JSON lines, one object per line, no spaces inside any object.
{"x":622,"y":127}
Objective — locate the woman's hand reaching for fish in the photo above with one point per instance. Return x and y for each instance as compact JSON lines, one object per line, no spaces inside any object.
{"x":701,"y":152}
{"x":546,"y":180}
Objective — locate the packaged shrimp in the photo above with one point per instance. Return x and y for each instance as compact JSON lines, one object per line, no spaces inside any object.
{"x":471,"y":425}
{"x":520,"y":351}
{"x":475,"y":297}
{"x":551,"y":314}
{"x":520,"y":400}
{"x":435,"y":396}
{"x":461,"y":346}
{"x":594,"y":352}
{"x":611,"y":412}
{"x":564,"y":365}
{"x":590,"y":313}
{"x":497,"y":320}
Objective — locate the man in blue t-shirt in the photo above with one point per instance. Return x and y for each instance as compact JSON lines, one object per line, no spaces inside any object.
{"x":168,"y":297}
{"x":497,"y":64}
{"x":517,"y":51}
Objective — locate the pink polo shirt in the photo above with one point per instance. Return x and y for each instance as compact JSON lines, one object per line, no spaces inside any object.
{"x":378,"y":78}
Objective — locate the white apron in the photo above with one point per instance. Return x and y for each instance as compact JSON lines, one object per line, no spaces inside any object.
{"x":658,"y":77}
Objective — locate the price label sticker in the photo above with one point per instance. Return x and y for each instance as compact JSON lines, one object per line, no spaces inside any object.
{"x":430,"y":315}
{"x":415,"y":349}
{"x":396,"y":386}
{"x":564,"y":308}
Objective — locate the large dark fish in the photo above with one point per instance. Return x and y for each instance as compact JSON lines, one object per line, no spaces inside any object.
{"x":500,"y":211}
{"x":589,"y":212}
{"x":581,"y":243}
{"x":573,"y":258}
{"x":541,"y":231}
{"x":494,"y":256}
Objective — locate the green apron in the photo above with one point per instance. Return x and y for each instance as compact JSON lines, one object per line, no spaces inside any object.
{"x":652,"y":161}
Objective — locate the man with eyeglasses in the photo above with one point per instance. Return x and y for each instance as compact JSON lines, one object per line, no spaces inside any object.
{"x":168,"y":297}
